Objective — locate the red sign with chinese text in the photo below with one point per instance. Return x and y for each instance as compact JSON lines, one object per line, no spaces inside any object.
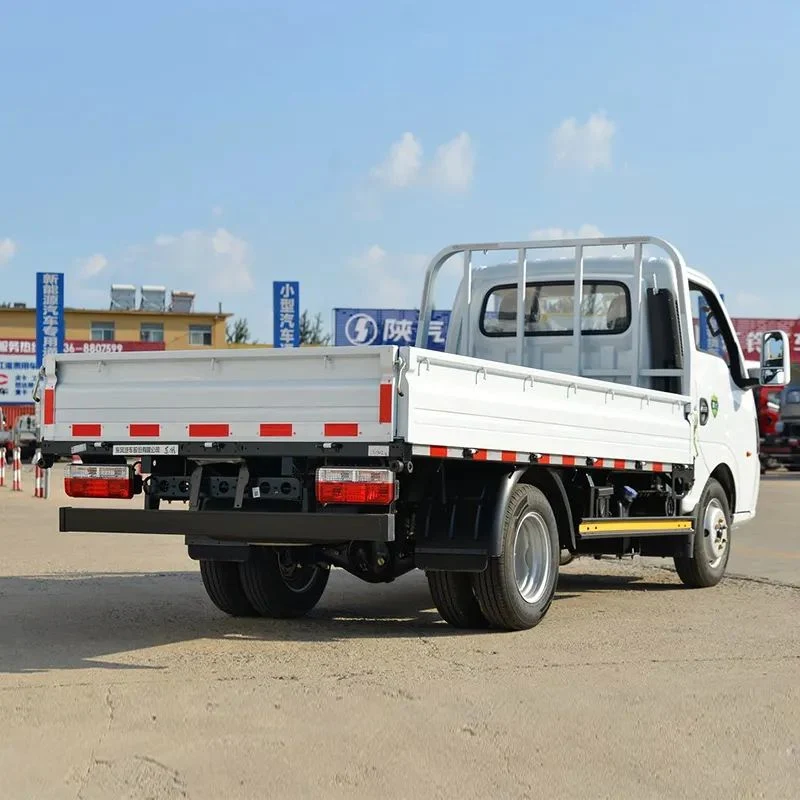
{"x":749,"y":332}
{"x":27,"y":347}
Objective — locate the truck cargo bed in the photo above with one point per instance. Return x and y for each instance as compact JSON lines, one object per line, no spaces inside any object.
{"x":438,"y":403}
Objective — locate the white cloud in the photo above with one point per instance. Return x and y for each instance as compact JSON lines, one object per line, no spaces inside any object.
{"x":402,"y":166}
{"x":454,"y":164}
{"x":216,"y":259}
{"x":586,"y":146}
{"x":393,"y":280}
{"x":93,"y":266}
{"x":8,"y":249}
{"x":584,"y":232}
{"x":450,"y":169}
{"x":748,"y":304}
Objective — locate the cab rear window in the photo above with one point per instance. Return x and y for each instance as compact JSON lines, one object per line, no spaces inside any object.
{"x":606,"y":308}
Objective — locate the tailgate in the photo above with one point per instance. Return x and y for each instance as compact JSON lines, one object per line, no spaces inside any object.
{"x":309,"y":394}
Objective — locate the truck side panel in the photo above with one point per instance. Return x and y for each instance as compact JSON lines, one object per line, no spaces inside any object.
{"x":452,"y":401}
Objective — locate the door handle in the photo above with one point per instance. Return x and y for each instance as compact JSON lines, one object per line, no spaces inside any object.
{"x":703,"y":411}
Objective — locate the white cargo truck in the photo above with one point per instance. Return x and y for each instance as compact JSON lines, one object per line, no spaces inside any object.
{"x":571,"y":411}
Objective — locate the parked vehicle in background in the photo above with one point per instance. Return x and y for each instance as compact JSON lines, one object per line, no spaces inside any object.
{"x":768,"y":407}
{"x":10,"y":414}
{"x":782,"y":446}
{"x":25,"y":435}
{"x":572,"y":410}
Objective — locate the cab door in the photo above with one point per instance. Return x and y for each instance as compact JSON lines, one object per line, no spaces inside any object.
{"x":727,"y":430}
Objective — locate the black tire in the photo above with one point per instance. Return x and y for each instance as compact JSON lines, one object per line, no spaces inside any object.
{"x":454,"y":598}
{"x":496,"y":588}
{"x":701,"y":572}
{"x":274,"y":592}
{"x":224,"y":587}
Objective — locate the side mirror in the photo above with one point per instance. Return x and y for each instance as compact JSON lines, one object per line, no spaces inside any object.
{"x":775,"y":367}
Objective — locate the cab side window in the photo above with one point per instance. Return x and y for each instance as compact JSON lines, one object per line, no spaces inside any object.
{"x":707,"y":329}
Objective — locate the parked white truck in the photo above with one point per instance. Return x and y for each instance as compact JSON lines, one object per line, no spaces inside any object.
{"x":571,"y":411}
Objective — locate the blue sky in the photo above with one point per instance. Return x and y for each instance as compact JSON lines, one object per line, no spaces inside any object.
{"x":216,"y":147}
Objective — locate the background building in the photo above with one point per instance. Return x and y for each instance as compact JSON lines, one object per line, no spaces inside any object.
{"x":153,"y":321}
{"x":133,"y":320}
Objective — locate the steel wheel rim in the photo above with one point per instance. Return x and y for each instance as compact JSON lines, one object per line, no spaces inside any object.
{"x":532,"y":557}
{"x":298,"y":578}
{"x":715,"y":532}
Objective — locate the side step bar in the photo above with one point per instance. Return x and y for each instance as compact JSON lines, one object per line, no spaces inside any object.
{"x":615,"y":527}
{"x":254,"y":527}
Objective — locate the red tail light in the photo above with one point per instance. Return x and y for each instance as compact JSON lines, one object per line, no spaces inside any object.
{"x":89,"y":480}
{"x":376,"y":487}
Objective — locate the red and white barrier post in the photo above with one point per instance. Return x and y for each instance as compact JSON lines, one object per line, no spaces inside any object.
{"x":42,"y":478}
{"x":3,"y":465}
{"x":16,"y":485}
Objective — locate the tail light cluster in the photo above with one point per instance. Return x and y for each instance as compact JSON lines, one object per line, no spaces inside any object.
{"x":99,"y":480}
{"x":345,"y":486}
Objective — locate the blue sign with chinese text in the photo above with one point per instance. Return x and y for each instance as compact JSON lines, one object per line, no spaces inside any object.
{"x":49,"y":314}
{"x":286,"y":313}
{"x":374,"y":326}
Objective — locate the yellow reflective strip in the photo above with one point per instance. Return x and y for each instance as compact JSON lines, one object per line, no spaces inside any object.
{"x":635,"y":525}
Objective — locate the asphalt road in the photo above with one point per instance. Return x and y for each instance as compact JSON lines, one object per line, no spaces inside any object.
{"x":118,"y":679}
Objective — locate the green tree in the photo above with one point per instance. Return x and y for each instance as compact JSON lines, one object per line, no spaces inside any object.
{"x":239,"y":333}
{"x":311,"y":330}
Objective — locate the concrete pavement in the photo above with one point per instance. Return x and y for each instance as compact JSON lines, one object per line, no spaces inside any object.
{"x":119,"y":679}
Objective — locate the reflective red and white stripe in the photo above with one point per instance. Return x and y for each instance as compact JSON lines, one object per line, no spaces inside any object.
{"x":16,"y":484}
{"x":549,"y":459}
{"x":40,"y":488}
{"x":215,"y":429}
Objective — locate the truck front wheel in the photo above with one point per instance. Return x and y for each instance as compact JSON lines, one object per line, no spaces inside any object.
{"x":224,"y":588}
{"x":712,"y":542}
{"x":516,"y":589}
{"x":277,"y":586}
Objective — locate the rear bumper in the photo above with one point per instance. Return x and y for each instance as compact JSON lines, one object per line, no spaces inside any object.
{"x":254,"y":527}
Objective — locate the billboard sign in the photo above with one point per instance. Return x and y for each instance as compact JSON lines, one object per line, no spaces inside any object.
{"x":375,"y":326}
{"x":286,"y":313}
{"x":27,"y":347}
{"x":49,"y":314}
{"x":750,"y":331}
{"x":17,"y":378}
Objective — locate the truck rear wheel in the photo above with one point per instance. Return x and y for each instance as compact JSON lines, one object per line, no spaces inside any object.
{"x":711,"y":540}
{"x":276,"y":586}
{"x":454,"y":598}
{"x":516,"y":589}
{"x":224,"y":587}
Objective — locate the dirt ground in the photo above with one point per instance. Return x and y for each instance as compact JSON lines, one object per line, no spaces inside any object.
{"x":119,"y":679}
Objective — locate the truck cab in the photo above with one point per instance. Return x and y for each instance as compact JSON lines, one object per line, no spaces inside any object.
{"x":647,"y":339}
